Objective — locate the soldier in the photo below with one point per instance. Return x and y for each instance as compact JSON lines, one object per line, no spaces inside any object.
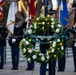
{"x":14,"y":40}
{"x":3,"y":35}
{"x":43,"y":48}
{"x":62,"y":61}
{"x":52,"y":64}
{"x":73,"y":31}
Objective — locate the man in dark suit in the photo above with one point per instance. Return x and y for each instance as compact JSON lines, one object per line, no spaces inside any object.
{"x":3,"y":35}
{"x":14,"y":40}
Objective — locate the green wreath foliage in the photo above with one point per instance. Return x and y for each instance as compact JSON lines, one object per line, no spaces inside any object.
{"x":43,"y":26}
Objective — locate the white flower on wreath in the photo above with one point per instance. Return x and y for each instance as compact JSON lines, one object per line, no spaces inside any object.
{"x":57,"y":30}
{"x":52,"y":23}
{"x":59,"y":25}
{"x":52,"y":19}
{"x":54,"y":44}
{"x":23,"y":40}
{"x":43,"y":58}
{"x":58,"y":40}
{"x":29,"y":31}
{"x":27,"y":42}
{"x":37,"y":19}
{"x":43,"y":23}
{"x":52,"y":50}
{"x":40,"y":54}
{"x":35,"y":26}
{"x":30,"y":51}
{"x":62,"y":48}
{"x":47,"y":57}
{"x":34,"y":56}
{"x":52,"y":26}
{"x":24,"y":50}
{"x":29,"y":59}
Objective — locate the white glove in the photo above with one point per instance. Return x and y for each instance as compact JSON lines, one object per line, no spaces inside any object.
{"x":75,"y":44}
{"x":13,"y":40}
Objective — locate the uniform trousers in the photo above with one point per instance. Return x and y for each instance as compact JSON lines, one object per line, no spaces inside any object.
{"x":62,"y":61}
{"x":51,"y":70}
{"x":1,"y":56}
{"x":74,"y":54}
{"x":52,"y":64}
{"x":15,"y":56}
{"x":30,"y":65}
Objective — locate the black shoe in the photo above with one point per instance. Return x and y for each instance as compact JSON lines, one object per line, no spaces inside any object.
{"x":75,"y":71}
{"x":1,"y":67}
{"x":14,"y":68}
{"x":29,"y":69}
{"x":60,"y":70}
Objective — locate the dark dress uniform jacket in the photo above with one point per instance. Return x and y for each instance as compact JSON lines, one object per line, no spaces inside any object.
{"x":3,"y":35}
{"x":18,"y":32}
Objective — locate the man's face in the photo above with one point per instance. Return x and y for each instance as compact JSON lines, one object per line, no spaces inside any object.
{"x":16,"y":23}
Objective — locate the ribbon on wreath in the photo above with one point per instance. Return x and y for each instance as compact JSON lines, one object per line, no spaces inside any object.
{"x":40,"y":38}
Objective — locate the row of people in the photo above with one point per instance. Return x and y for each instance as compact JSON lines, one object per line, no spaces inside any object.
{"x":14,"y":43}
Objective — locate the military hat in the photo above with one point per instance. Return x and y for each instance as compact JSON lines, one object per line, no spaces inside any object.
{"x":51,"y":12}
{"x":17,"y":20}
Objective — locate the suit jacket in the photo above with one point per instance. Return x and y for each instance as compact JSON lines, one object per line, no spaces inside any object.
{"x":3,"y":35}
{"x":16,"y":38}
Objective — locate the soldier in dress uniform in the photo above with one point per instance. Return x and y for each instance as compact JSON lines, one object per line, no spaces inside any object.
{"x":52,"y":64}
{"x":3,"y":35}
{"x":43,"y":48}
{"x":73,"y":31}
{"x":14,"y":40}
{"x":62,"y":61}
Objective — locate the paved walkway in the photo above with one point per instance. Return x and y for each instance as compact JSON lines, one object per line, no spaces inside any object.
{"x":22,"y":69}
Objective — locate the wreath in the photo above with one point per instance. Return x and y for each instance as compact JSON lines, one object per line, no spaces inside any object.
{"x":43,"y":28}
